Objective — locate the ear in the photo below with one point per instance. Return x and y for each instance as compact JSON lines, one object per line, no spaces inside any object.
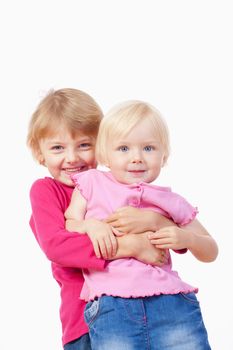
{"x":40,"y":159}
{"x":164,"y":161}
{"x":106,"y":163}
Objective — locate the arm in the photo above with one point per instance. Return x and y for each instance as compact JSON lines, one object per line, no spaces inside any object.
{"x":139,"y":247}
{"x":134,"y":220}
{"x":49,"y":201}
{"x":136,"y":246}
{"x":100,"y":233}
{"x":192,"y":236}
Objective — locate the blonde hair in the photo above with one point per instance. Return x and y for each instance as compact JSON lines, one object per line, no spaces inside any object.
{"x":72,"y":108}
{"x":122,"y":118}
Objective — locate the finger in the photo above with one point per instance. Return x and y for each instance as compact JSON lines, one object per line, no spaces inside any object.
{"x":160,"y":241}
{"x":108,"y":247}
{"x":163,"y":232}
{"x":156,"y":235}
{"x":96,"y":249}
{"x":164,"y":246}
{"x":117,"y":232}
{"x":114,"y":245}
{"x":103,"y":249}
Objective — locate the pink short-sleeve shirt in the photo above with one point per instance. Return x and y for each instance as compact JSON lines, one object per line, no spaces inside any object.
{"x":130,"y":277}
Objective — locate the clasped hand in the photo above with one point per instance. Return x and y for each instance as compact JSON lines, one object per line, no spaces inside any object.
{"x":137,"y":225}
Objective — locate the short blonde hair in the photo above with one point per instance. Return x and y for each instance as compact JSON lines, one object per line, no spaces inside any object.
{"x":73,"y":108}
{"x":122,"y":118}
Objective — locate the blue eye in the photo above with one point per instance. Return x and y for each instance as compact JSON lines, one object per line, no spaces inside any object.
{"x":123,"y":148}
{"x":148,"y":148}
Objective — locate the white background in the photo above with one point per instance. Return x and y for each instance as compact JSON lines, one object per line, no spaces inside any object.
{"x":175,"y":54}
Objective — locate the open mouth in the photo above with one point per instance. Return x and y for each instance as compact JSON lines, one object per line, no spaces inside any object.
{"x":75,"y":170}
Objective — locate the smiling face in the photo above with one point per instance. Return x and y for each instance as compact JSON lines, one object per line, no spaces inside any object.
{"x":138,"y":156}
{"x":65,"y":155}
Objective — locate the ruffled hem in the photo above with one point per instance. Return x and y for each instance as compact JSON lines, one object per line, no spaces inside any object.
{"x":142,"y":295}
{"x":79,"y":188}
{"x":191,"y":218}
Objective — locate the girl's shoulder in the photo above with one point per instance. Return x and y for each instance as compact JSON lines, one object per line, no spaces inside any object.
{"x":48,"y":186}
{"x":90,"y":175}
{"x":42,"y":183}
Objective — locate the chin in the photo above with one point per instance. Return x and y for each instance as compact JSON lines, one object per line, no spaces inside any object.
{"x":133,"y":180}
{"x":66,"y":181}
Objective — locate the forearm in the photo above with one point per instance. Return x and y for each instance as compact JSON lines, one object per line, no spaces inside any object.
{"x":139,"y":247}
{"x":65,"y":248}
{"x":48,"y":225}
{"x":199,"y":241}
{"x":133,"y":220}
{"x":75,"y":226}
{"x":203,"y":247}
{"x":127,"y":246}
{"x":192,"y":236}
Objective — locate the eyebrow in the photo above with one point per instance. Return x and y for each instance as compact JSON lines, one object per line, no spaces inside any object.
{"x":55,"y":141}
{"x":146,"y":142}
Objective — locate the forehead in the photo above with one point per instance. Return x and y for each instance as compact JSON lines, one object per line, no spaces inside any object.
{"x":63,"y":132}
{"x":143,"y":130}
{"x":64,"y":137}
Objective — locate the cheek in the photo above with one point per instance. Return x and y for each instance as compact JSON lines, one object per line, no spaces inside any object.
{"x":51,"y":165}
{"x":89,"y":158}
{"x":116,"y":164}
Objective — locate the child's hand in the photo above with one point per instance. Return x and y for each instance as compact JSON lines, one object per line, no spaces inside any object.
{"x":171,"y":237}
{"x":132,"y":220}
{"x":102,"y":237}
{"x":144,"y":251}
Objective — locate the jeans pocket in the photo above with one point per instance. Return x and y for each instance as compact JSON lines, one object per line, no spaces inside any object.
{"x":91,"y":311}
{"x":190,"y":297}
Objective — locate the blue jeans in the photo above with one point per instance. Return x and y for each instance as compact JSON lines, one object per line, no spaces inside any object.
{"x":171,"y":322}
{"x":82,"y":343}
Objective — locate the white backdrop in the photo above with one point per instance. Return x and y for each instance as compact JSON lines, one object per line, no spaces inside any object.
{"x":176,"y":55}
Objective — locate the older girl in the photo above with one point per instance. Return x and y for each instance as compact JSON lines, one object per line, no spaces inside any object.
{"x":62,"y":135}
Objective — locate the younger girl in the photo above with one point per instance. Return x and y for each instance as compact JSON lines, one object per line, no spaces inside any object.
{"x":134,"y":305}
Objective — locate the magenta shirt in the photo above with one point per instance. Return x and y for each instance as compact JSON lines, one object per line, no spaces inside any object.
{"x":129,"y":277}
{"x":68,"y":252}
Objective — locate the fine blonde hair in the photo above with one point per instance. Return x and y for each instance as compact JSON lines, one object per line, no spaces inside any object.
{"x":70,"y":108}
{"x":122,"y":118}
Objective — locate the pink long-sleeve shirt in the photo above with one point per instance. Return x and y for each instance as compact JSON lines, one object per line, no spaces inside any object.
{"x":68,"y":252}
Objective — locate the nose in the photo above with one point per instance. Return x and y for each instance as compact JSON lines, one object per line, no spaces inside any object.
{"x":136,"y":161}
{"x":137,"y":158}
{"x":71,"y":156}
